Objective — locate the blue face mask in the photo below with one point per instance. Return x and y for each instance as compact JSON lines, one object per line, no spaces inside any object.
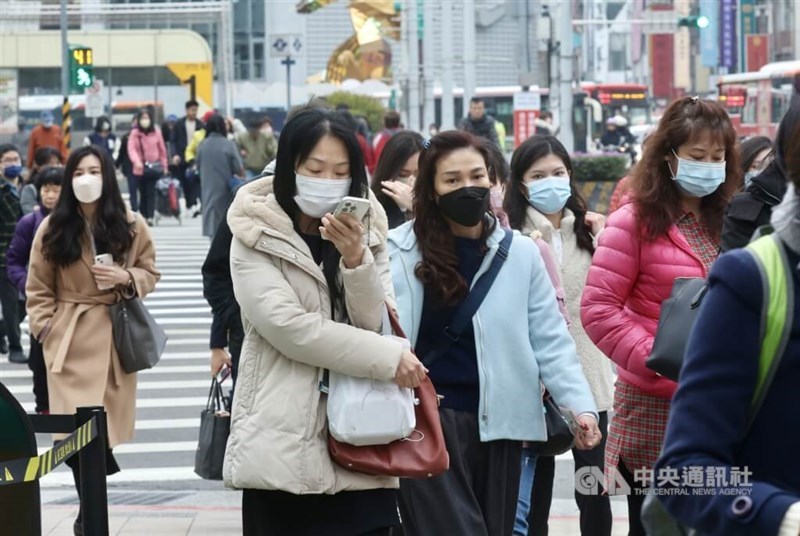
{"x":12,"y":172}
{"x":698,"y":179}
{"x":749,"y":176}
{"x":550,"y":194}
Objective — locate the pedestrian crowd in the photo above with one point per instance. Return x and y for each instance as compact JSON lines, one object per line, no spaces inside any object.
{"x":527,"y":312}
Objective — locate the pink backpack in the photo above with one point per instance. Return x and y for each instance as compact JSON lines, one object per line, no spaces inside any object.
{"x":555,"y":278}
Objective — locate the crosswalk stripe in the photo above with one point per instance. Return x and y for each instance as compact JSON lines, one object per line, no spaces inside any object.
{"x":160,"y":369}
{"x":63,"y":477}
{"x":147,"y":448}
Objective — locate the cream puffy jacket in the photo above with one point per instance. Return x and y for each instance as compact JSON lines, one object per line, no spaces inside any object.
{"x":574,"y":268}
{"x":279,"y":427}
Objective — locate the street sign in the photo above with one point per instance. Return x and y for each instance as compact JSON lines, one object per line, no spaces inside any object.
{"x":660,"y":22}
{"x":94,"y":99}
{"x":285,"y":45}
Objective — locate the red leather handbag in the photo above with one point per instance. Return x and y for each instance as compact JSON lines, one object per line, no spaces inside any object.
{"x":422,"y":455}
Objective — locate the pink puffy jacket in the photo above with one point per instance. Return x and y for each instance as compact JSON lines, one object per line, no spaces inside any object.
{"x":621,"y":303}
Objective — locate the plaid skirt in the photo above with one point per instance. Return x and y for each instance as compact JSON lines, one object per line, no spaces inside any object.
{"x":637,"y":429}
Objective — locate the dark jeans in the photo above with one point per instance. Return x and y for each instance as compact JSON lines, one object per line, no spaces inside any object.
{"x":147,"y":196}
{"x":133,"y":191}
{"x":595,"y":510}
{"x":191,"y":187}
{"x":9,"y":300}
{"x":477,"y":496}
{"x":37,"y":366}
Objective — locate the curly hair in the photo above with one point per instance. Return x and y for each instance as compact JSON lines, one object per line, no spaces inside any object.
{"x":655,"y":194}
{"x":438,"y":269}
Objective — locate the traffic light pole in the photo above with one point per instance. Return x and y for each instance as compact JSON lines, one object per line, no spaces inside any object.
{"x":65,"y":121}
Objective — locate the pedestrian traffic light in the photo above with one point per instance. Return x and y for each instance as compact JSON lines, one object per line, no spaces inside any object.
{"x":695,"y":21}
{"x":81,"y":67}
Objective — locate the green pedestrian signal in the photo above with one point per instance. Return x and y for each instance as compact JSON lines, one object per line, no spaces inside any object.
{"x":81,"y":68}
{"x":694,"y":21}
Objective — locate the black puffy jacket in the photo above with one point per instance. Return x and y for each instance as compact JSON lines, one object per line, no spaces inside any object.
{"x":752,"y":208}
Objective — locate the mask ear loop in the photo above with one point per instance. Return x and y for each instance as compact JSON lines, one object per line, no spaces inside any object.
{"x":669,"y":167}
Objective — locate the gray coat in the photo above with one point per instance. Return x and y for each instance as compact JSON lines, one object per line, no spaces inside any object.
{"x":218,"y":161}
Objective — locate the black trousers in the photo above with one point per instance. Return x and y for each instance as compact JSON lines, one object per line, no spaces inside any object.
{"x":147,"y":196}
{"x":39,"y":370}
{"x":595,"y":510}
{"x":191,"y":186}
{"x":477,"y":496}
{"x":9,"y":300}
{"x":635,"y":502}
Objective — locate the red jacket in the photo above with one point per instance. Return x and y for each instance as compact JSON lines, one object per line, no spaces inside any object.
{"x":369,"y":155}
{"x":628,"y":280}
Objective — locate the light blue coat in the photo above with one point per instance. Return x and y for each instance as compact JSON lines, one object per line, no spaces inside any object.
{"x":520,"y":337}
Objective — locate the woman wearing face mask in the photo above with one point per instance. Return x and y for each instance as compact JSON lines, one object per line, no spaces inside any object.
{"x":312,"y":289}
{"x":542,"y":201}
{"x":755,"y":153}
{"x":670,"y":229}
{"x":48,"y":186}
{"x":148,"y":156}
{"x":69,"y":294}
{"x":489,"y":376}
{"x":29,"y":195}
{"x":393,"y":181}
{"x":103,"y":137}
{"x":752,"y":208}
{"x":218,"y":161}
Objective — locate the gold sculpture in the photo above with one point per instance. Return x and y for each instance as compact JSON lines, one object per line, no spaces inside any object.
{"x":365,"y":55}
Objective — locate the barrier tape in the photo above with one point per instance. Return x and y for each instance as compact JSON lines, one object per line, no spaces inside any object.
{"x":29,"y":469}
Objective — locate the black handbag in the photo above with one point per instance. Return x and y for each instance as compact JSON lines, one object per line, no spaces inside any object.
{"x":139,"y":340}
{"x":215,"y":426}
{"x":560,"y":438}
{"x":152,"y":170}
{"x":678,"y":315}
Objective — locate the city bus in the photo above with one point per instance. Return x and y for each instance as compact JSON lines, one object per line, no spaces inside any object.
{"x":593,"y":103}
{"x":757,"y":101}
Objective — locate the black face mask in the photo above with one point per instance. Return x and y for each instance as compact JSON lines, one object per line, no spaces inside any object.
{"x":466,"y":206}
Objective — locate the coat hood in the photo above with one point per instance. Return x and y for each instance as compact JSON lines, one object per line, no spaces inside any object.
{"x":255,"y":210}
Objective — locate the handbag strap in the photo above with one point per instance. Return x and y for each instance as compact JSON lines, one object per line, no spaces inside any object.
{"x":463,"y":316}
{"x":214,"y":402}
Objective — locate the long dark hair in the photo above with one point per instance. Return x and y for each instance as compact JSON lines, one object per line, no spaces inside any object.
{"x":656,"y":196}
{"x":782,"y":148}
{"x":216,"y":125}
{"x":400,"y":147}
{"x":516,"y":202}
{"x":438,"y":269}
{"x":298,"y":138}
{"x":63,"y":242}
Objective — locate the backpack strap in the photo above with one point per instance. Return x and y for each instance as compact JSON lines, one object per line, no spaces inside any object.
{"x":777,"y":312}
{"x":463,"y":315}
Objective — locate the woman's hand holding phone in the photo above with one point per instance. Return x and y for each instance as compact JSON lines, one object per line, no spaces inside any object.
{"x":345,"y":232}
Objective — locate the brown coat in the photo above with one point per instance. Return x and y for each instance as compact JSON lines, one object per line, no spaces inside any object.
{"x":83,"y":368}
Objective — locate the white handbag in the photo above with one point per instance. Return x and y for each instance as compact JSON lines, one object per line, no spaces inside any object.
{"x":365,"y":412}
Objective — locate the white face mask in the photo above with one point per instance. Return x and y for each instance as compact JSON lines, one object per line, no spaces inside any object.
{"x":144,"y":123}
{"x":88,"y":188}
{"x":317,"y":197}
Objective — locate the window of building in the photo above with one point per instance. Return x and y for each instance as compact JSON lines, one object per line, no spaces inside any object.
{"x":617,"y":52}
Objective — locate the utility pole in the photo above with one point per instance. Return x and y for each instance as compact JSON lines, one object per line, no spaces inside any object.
{"x":413,"y":66}
{"x":288,"y":62}
{"x":66,"y":121}
{"x":469,"y":52}
{"x":448,"y":113}
{"x":565,"y":135}
{"x":428,"y":62}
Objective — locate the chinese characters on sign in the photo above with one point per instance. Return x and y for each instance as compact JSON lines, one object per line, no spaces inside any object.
{"x":693,"y":480}
{"x":728,"y":42}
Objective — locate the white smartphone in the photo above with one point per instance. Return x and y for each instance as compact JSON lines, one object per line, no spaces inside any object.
{"x":357,"y":207}
{"x":106,"y":259}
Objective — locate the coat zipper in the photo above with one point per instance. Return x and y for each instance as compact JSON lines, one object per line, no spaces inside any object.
{"x":485,"y":371}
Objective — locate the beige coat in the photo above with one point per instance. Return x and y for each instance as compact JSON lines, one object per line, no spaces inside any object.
{"x":83,"y":368}
{"x":279,"y":427}
{"x":575,"y":266}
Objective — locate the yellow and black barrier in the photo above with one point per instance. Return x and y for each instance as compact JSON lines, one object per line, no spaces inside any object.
{"x":34,"y":468}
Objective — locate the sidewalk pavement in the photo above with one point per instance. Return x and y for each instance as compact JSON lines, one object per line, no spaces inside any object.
{"x":216,"y":520}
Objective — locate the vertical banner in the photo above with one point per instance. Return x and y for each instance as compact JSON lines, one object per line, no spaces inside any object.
{"x":662,"y":60}
{"x":526,"y":109}
{"x":636,"y":31}
{"x":747,"y":18}
{"x":709,"y":36}
{"x":683,"y":49}
{"x":728,"y":42}
{"x":757,"y":51}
